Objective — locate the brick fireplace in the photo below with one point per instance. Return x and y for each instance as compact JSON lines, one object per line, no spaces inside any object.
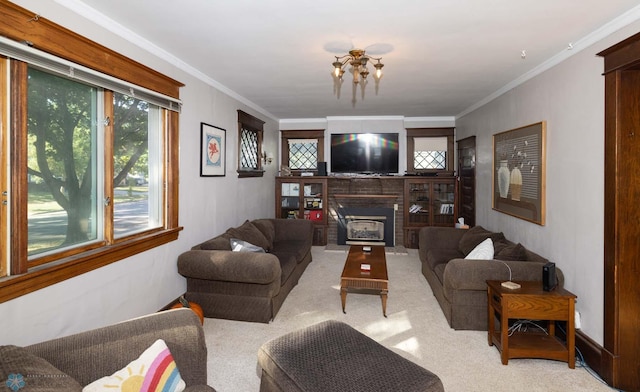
{"x":374,"y":199}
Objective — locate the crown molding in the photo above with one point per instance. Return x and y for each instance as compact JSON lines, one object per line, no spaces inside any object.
{"x":118,"y":29}
{"x":631,"y":16}
{"x":365,"y":118}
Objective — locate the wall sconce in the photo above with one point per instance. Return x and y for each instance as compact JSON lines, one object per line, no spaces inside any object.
{"x":267,"y":158}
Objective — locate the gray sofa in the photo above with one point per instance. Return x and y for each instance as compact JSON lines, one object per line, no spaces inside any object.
{"x":459,"y":284}
{"x":89,"y":356}
{"x":248,"y":286}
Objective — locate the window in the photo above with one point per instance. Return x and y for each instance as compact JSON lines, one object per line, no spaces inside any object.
{"x":302,"y":150}
{"x":91,"y":169}
{"x":250,"y":131}
{"x":429,"y":149}
{"x":430,"y":153}
{"x":62,"y":162}
{"x":137,"y":153}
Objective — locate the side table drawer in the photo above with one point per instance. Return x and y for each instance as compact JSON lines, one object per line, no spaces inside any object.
{"x":527,"y":306}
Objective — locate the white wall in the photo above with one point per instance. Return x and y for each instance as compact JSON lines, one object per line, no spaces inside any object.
{"x":208,"y":206}
{"x":570,"y":98}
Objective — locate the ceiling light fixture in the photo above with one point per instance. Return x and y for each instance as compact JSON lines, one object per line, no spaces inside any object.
{"x":358,"y":60}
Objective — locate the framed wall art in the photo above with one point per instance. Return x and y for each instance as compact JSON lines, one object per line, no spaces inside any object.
{"x":213,"y":152}
{"x":519,"y":172}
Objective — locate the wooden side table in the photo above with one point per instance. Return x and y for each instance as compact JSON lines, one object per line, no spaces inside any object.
{"x":530,"y":302}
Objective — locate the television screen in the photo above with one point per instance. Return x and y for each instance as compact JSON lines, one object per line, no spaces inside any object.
{"x":364,"y":153}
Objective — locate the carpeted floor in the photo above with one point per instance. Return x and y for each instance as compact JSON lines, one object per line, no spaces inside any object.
{"x":415,"y":328}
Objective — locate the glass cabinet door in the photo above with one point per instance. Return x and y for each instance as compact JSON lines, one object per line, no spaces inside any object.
{"x":419,"y":194}
{"x":290,"y":200}
{"x":443,"y":203}
{"x":312,"y":201}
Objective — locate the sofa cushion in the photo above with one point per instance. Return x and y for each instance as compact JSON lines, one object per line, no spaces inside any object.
{"x":515,"y":252}
{"x":21,"y":369}
{"x":442,"y":256}
{"x":298,"y":249}
{"x":484,"y":251}
{"x":153,"y":370}
{"x":476,"y":235}
{"x":439,"y":271}
{"x":288,"y":263}
{"x":250,"y":233}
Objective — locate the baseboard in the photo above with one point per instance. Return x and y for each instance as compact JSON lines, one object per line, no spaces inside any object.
{"x":594,"y":355}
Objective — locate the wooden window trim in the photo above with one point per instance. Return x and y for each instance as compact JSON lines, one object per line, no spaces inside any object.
{"x":4,"y":162}
{"x":295,"y":134}
{"x":413,"y":133}
{"x":17,"y":23}
{"x":253,"y":124}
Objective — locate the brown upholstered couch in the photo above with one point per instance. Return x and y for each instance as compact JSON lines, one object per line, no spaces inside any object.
{"x":91,"y":355}
{"x":248,"y":286}
{"x":459,"y":284}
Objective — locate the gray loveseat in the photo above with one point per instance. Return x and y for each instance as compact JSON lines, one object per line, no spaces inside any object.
{"x":248,"y":286}
{"x":89,"y":356}
{"x":459,"y":284}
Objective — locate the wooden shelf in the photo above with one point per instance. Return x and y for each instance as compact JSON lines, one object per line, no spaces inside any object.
{"x":363,"y":196}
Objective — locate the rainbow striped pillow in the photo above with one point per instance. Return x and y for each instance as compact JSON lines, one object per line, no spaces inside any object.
{"x":153,"y":371}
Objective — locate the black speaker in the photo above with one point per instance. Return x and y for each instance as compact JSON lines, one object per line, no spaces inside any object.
{"x":549,"y":281}
{"x":322,"y":168}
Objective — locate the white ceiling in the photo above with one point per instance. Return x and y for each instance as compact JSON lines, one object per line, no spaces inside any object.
{"x":441,"y":57}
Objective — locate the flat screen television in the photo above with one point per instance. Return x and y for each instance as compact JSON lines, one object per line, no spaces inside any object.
{"x":371,"y":153}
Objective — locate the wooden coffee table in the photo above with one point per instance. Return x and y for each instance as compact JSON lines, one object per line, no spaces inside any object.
{"x":374,"y":281}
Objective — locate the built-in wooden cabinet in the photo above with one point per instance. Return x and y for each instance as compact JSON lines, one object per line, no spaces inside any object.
{"x":467,"y":180}
{"x":304,"y":198}
{"x":428,"y":202}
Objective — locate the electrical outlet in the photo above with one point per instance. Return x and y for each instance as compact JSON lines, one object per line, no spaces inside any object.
{"x":578,"y":322}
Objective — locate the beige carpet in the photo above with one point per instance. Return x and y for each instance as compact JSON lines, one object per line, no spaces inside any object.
{"x":415,"y":328}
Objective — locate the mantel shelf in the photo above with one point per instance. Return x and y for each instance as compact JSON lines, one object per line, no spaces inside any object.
{"x":363,"y":196}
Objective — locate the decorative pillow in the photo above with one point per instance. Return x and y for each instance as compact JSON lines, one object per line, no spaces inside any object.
{"x":220,"y":242}
{"x":250,"y":233}
{"x":244,"y":246}
{"x":475,"y":235}
{"x":266,"y":227}
{"x":154,"y":370}
{"x":21,"y":369}
{"x":512,"y":253}
{"x":484,"y":251}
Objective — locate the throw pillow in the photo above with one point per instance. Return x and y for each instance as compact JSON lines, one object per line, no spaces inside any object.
{"x":475,"y":235}
{"x":250,"y":233}
{"x":484,"y":251}
{"x":21,"y":369}
{"x":512,"y":253}
{"x":154,"y":370}
{"x":244,"y":246}
{"x":220,"y":242}
{"x":267,"y":228}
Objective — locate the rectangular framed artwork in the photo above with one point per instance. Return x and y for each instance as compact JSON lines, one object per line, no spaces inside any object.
{"x":519,"y":172}
{"x":213,"y":152}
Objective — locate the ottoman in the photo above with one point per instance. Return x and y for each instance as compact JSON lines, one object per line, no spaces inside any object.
{"x":332,"y":356}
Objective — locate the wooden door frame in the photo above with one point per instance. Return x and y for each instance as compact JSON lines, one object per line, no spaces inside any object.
{"x":622,"y":76}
